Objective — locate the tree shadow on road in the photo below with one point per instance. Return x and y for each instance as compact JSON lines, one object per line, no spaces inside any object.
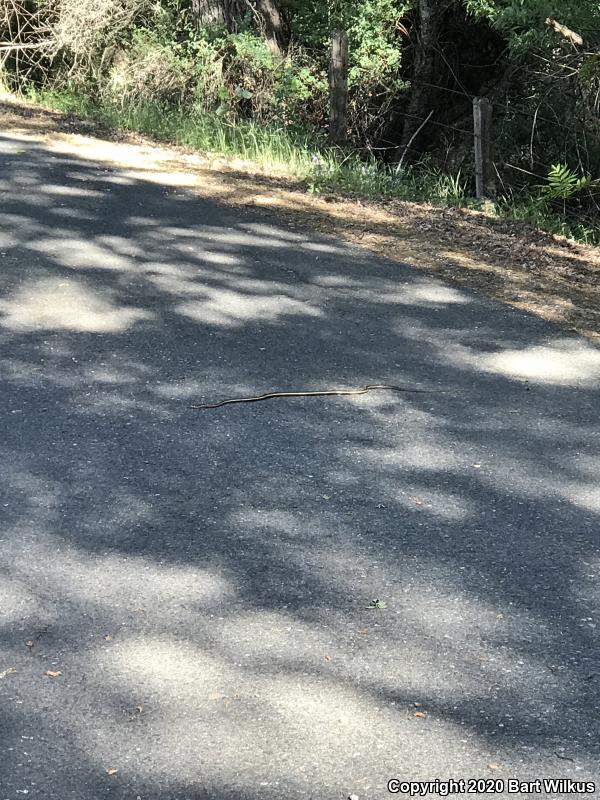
{"x":215,"y":568}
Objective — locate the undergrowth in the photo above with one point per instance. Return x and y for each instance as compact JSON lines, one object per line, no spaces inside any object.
{"x":308,"y":157}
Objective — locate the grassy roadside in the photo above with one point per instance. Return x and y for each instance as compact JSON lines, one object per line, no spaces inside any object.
{"x":321,"y":168}
{"x":510,"y":261}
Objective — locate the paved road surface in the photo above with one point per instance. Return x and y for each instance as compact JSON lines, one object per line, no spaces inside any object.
{"x":202,"y":580}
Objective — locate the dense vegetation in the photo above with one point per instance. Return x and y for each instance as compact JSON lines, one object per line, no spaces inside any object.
{"x":249,"y":77}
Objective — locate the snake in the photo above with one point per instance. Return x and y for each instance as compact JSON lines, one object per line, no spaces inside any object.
{"x":324,"y":393}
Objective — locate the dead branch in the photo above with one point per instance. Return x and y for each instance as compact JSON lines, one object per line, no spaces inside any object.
{"x":568,"y":34}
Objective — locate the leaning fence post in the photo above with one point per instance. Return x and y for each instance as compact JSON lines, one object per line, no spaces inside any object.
{"x":482,"y":123}
{"x":338,"y":88}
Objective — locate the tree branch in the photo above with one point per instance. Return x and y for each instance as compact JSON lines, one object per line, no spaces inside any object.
{"x":570,"y":35}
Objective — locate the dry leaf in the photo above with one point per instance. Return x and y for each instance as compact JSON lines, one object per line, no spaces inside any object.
{"x":6,"y":672}
{"x":112,"y":771}
{"x":51,"y":673}
{"x":493,"y":766}
{"x":108,"y":638}
{"x":420,"y":713}
{"x":216,"y":696}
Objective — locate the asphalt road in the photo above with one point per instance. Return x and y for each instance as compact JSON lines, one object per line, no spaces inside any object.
{"x":198,"y":583}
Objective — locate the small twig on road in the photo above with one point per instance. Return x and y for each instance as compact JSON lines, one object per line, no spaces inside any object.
{"x":564,"y":758}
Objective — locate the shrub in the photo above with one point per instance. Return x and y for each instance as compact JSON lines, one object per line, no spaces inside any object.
{"x":239,"y":76}
{"x":149,"y":70}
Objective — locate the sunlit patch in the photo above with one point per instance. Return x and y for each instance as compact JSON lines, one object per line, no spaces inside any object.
{"x":431,"y":293}
{"x":70,"y":191}
{"x":175,"y":281}
{"x":124,"y":245}
{"x":19,"y":372}
{"x":321,"y":247}
{"x":586,"y":495}
{"x":120,"y":180}
{"x":262,"y":229}
{"x":586,"y":591}
{"x":54,"y":304}
{"x":118,"y":405}
{"x":285,"y":724}
{"x":275,"y":634}
{"x":26,"y":178}
{"x":17,"y":602}
{"x":588,"y":465}
{"x":83,"y":253}
{"x":416,"y":292}
{"x":141,"y":222}
{"x":418,"y":455}
{"x":219,"y":258}
{"x":22,"y":223}
{"x":561,"y":363}
{"x":227,"y":308}
{"x":73,"y":213}
{"x":282,"y":523}
{"x":232,"y":237}
{"x":193,"y":251}
{"x":110,"y":376}
{"x":437,"y":503}
{"x":176,"y":180}
{"x":181,"y":390}
{"x":479,"y":264}
{"x":116,"y":582}
{"x":176,"y":232}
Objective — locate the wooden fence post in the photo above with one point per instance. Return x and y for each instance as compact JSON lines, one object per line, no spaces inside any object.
{"x":338,"y":88}
{"x":482,"y":121}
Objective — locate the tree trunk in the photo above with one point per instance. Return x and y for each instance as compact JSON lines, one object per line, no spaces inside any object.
{"x":425,"y":72}
{"x":276,"y":29}
{"x":208,"y":13}
{"x":265,"y":14}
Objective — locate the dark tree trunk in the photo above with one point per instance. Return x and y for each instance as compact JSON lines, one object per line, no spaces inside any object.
{"x":276,"y":28}
{"x":266,"y":15}
{"x":426,"y":67}
{"x":206,"y":13}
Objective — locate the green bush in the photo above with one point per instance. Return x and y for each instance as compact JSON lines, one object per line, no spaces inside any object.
{"x":238,"y":76}
{"x":148,"y":70}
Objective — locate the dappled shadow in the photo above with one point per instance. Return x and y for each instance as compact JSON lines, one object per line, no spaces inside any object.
{"x":549,"y":276}
{"x":202,"y":579}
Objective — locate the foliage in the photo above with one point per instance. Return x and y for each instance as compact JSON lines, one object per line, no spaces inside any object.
{"x":523,"y":21}
{"x":563,"y":183}
{"x":267,"y":145}
{"x":149,"y":64}
{"x":233,"y":75}
{"x":148,"y":70}
{"x":375,"y":53}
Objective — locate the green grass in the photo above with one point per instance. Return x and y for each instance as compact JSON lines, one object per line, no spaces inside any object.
{"x":4,"y":83}
{"x":299,"y":153}
{"x":309,"y":158}
{"x":210,"y":134}
{"x":541,"y":215}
